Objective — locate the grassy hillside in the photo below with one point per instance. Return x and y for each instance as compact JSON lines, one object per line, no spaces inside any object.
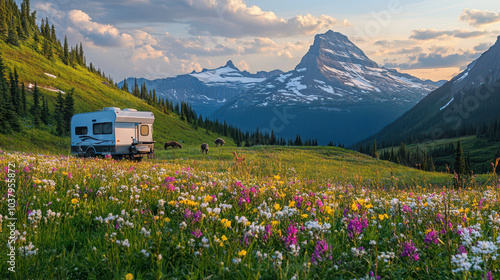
{"x":91,"y":93}
{"x":482,"y":151}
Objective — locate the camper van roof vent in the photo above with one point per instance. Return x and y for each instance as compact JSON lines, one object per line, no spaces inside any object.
{"x":111,"y":109}
{"x":129,"y":109}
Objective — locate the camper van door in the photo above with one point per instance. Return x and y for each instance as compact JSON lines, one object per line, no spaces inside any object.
{"x":145,"y":133}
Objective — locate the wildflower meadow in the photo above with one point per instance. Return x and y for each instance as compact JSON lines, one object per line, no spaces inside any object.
{"x":268,"y":217}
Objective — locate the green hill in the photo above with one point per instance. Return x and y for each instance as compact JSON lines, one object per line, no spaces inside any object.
{"x":91,"y":92}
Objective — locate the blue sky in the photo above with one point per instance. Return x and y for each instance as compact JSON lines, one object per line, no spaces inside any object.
{"x":159,"y":38}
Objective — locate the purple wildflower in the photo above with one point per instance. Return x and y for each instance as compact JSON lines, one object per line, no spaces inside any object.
{"x":431,"y":237}
{"x":197,"y":233}
{"x":462,"y":250}
{"x":346,"y":211}
{"x":267,"y":232}
{"x":356,"y":226}
{"x":291,"y":238}
{"x":372,"y":275}
{"x":169,"y":179}
{"x":409,"y":250}
{"x":321,"y":252}
{"x":298,"y":200}
{"x":197,"y":216}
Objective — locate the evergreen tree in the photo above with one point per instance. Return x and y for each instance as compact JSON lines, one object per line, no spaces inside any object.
{"x":125,"y":85}
{"x":53,"y":36}
{"x":13,"y":37}
{"x":59,"y":114}
{"x":136,"y":91}
{"x":81,"y":55}
{"x":65,"y":57}
{"x":23,"y":100}
{"x":459,"y":160}
{"x":69,"y":109}
{"x":3,"y":19}
{"x":45,"y":114}
{"x":14,"y":91}
{"x":35,"y":108}
{"x":432,"y":168}
{"x":374,"y":149}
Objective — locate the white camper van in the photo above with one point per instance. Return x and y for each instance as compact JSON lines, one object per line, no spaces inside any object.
{"x":112,"y":131}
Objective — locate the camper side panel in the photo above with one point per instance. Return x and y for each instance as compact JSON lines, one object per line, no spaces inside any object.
{"x":125,"y":135}
{"x":93,"y":131}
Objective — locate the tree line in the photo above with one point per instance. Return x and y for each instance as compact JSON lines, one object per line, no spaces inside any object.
{"x":188,"y":114}
{"x":459,"y":161}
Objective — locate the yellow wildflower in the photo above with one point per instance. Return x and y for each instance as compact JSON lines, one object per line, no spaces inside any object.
{"x":74,"y":201}
{"x":226,"y":223}
{"x":166,"y":220}
{"x":129,"y":276}
{"x":223,"y":238}
{"x":242,"y":253}
{"x":354,"y":207}
{"x":329,"y":210}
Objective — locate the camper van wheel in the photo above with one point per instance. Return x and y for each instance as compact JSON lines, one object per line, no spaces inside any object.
{"x":90,"y":153}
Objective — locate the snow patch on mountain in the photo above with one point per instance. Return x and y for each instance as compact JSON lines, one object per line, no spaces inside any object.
{"x":449,"y":102}
{"x":225,"y":75}
{"x":295,"y":86}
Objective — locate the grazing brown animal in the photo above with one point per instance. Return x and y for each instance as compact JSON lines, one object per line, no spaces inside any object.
{"x":219,"y":141}
{"x":173,"y":144}
{"x":204,"y":148}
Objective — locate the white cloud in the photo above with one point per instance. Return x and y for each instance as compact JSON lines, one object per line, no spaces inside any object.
{"x":429,"y":34}
{"x":100,"y":34}
{"x":479,"y":18}
{"x":224,"y":18}
{"x":48,"y":8}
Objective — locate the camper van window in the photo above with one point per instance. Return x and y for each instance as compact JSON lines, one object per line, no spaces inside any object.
{"x":144,"y":130}
{"x":81,"y":130}
{"x":103,"y":128}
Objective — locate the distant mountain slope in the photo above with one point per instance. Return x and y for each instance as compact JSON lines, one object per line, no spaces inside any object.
{"x":91,"y":93}
{"x":459,"y":107}
{"x":335,"y":87}
{"x":207,"y":90}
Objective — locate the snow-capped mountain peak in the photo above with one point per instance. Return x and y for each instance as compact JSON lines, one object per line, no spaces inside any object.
{"x":335,"y":71}
{"x":227,"y":75}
